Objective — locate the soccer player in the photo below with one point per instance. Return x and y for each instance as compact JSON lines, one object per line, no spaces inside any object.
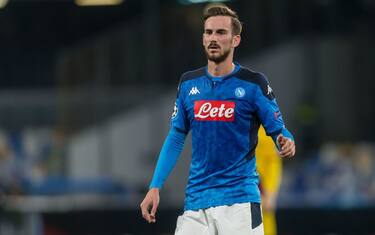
{"x":222,"y":104}
{"x":269,"y":167}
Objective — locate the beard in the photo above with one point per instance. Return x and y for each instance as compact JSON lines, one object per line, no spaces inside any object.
{"x":217,"y":58}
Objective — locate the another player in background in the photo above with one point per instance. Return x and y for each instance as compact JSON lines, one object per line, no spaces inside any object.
{"x":222,"y":104}
{"x":269,"y":167}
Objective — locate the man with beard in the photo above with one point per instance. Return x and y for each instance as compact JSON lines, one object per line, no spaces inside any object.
{"x":223,"y":105}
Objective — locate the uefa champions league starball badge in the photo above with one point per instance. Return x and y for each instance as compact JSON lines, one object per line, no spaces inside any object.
{"x":175,"y":111}
{"x":240,"y":92}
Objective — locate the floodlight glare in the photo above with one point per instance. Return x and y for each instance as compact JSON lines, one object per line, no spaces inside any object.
{"x":3,"y":3}
{"x":98,"y":2}
{"x":186,"y":2}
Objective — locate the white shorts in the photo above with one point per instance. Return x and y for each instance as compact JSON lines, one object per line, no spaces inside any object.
{"x":237,"y":219}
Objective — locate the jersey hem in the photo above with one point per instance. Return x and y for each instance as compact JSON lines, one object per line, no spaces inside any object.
{"x":228,"y":202}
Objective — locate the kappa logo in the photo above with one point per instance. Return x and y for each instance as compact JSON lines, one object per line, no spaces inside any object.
{"x":194,"y":90}
{"x":269,"y":90}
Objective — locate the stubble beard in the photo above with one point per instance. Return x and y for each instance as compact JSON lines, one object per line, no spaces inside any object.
{"x":217,"y":58}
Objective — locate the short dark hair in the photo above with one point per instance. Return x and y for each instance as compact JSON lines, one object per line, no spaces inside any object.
{"x":223,"y":10}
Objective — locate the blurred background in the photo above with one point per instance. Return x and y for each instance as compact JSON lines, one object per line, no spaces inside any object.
{"x":87,"y":88}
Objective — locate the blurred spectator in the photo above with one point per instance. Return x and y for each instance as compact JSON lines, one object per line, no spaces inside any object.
{"x":32,"y":161}
{"x":338,"y":175}
{"x":363,"y":166}
{"x":10,"y":167}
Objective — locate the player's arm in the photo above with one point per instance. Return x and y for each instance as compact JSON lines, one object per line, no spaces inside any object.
{"x":168,"y":157}
{"x":271,"y":118}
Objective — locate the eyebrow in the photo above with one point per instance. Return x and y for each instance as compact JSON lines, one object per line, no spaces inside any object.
{"x":222,"y":30}
{"x":216,"y":30}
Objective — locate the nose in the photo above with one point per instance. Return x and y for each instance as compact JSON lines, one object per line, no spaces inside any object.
{"x":212,"y":37}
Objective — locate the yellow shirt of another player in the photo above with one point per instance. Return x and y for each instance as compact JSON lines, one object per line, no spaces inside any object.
{"x":268,"y":163}
{"x":269,"y":168}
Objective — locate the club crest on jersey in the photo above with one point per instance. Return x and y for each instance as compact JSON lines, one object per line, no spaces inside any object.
{"x":194,"y":90}
{"x":214,"y":110}
{"x":240,"y":92}
{"x":175,"y":111}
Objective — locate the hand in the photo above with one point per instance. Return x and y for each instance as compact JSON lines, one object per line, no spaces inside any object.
{"x":151,"y":201}
{"x":287,"y":146}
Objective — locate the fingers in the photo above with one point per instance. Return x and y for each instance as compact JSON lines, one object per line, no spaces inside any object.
{"x":287,"y":150}
{"x":288,"y":154}
{"x":150,"y":205}
{"x":153,"y":211}
{"x":287,"y":147}
{"x":152,"y":215}
{"x":281,"y":140}
{"x":145,"y":212}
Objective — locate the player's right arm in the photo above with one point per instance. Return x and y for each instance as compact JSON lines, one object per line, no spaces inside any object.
{"x":168,"y":157}
{"x":150,"y":205}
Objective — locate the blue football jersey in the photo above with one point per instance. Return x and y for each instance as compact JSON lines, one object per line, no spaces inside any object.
{"x":223,"y":115}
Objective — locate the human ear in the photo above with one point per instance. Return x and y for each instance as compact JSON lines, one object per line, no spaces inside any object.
{"x":236,"y":40}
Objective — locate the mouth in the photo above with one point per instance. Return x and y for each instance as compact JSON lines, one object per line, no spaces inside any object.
{"x":213,"y":48}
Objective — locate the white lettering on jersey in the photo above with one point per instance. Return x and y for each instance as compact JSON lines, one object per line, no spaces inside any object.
{"x":194,"y":90}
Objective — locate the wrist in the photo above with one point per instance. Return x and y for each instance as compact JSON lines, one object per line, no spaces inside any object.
{"x":154,"y":189}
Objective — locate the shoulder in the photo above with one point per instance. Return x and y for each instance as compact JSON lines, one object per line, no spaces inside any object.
{"x":256,"y":78}
{"x":252,"y":76}
{"x":193,"y":74}
{"x":190,"y":75}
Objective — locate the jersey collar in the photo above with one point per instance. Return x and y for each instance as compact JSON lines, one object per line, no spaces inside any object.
{"x":221,"y":78}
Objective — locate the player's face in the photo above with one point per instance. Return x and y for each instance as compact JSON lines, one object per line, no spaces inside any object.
{"x":218,"y":39}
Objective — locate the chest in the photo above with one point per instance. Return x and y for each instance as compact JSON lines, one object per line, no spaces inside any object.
{"x":225,"y":100}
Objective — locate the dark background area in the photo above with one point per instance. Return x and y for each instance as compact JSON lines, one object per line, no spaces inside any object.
{"x":77,"y":83}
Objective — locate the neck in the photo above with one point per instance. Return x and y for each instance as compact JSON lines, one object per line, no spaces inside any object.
{"x":220,"y":69}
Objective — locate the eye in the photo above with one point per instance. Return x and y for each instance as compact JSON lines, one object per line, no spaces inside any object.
{"x":221,"y":31}
{"x":208,"y":31}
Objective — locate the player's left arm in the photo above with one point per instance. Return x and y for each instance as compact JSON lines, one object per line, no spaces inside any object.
{"x":271,"y":118}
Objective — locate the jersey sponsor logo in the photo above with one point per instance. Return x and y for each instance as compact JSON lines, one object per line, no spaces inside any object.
{"x":214,"y":110}
{"x":194,"y":90}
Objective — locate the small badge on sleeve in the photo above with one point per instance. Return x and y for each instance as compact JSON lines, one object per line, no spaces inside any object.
{"x":175,"y":111}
